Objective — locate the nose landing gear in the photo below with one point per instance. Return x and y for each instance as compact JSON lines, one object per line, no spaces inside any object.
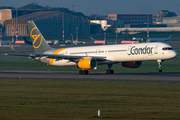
{"x":159,"y":63}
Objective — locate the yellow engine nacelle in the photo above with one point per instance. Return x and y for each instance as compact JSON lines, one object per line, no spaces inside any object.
{"x":133,"y":64}
{"x":88,"y":63}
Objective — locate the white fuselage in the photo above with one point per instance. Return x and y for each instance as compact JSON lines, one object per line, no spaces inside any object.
{"x":114,"y":53}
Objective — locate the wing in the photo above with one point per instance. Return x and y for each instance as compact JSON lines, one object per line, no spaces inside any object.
{"x":68,"y":57}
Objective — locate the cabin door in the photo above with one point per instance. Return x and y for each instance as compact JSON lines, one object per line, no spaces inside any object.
{"x":156,"y":49}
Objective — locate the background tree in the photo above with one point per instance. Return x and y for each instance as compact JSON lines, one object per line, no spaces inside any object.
{"x":111,"y":29}
{"x":96,"y":17}
{"x":6,"y":7}
{"x":31,"y":6}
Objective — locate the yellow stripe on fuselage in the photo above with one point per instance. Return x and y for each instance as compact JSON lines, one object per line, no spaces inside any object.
{"x":55,"y":53}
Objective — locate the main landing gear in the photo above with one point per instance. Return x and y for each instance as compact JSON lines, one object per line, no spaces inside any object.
{"x":159,"y":63}
{"x":83,"y":72}
{"x":109,"y":71}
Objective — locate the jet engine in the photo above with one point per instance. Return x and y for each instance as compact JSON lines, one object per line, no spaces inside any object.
{"x":133,"y":64}
{"x":87,"y":63}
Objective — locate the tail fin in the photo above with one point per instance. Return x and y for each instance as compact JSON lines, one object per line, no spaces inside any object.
{"x":38,"y":41}
{"x":169,"y":38}
{"x":92,"y":39}
{"x":12,"y":48}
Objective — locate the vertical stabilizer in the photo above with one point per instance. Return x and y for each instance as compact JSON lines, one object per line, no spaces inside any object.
{"x":92,"y":39}
{"x":38,"y":41}
{"x":169,"y":38}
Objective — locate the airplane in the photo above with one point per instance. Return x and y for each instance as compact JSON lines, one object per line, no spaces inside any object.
{"x":159,"y":40}
{"x":76,"y":42}
{"x":88,"y":57}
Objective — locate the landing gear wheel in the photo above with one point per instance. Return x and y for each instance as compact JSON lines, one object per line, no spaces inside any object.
{"x":159,"y":70}
{"x":106,"y":71}
{"x":109,"y":71}
{"x":83,"y":72}
{"x":80,"y":72}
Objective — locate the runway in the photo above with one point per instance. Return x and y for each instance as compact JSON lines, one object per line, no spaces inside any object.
{"x":60,"y":75}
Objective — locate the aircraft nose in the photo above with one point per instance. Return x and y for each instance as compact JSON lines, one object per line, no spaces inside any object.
{"x":174,"y":54}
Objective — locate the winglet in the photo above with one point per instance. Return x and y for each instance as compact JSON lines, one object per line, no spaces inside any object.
{"x":11,"y":46}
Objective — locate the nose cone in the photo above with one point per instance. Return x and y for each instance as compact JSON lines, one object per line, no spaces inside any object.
{"x":174,"y":54}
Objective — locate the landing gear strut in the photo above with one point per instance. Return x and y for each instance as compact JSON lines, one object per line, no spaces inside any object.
{"x":83,"y":72}
{"x":109,"y":71}
{"x":159,"y":63}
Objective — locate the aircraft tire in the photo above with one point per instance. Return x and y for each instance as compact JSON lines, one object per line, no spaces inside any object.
{"x":109,"y":71}
{"x":85,"y":72}
{"x":80,"y":72}
{"x":106,"y":71}
{"x":159,"y":70}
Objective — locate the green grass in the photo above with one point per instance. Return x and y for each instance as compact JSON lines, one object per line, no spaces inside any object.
{"x":70,"y":99}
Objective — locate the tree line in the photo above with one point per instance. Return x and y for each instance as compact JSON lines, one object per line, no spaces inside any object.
{"x":61,"y":9}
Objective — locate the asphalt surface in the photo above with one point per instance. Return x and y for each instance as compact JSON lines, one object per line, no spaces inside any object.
{"x":154,"y":77}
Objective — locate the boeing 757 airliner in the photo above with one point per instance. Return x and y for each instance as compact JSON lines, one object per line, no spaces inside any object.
{"x":88,"y":57}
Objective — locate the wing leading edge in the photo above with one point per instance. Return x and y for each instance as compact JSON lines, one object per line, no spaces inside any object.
{"x":52,"y":56}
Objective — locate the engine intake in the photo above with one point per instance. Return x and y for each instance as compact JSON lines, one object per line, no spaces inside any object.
{"x":88,"y":63}
{"x":133,"y":64}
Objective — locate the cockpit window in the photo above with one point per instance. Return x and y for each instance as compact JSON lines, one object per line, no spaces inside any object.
{"x":167,"y":48}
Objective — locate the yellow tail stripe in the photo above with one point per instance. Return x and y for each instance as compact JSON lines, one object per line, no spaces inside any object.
{"x":55,"y":53}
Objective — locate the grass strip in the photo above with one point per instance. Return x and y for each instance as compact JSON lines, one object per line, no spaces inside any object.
{"x":79,"y":99}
